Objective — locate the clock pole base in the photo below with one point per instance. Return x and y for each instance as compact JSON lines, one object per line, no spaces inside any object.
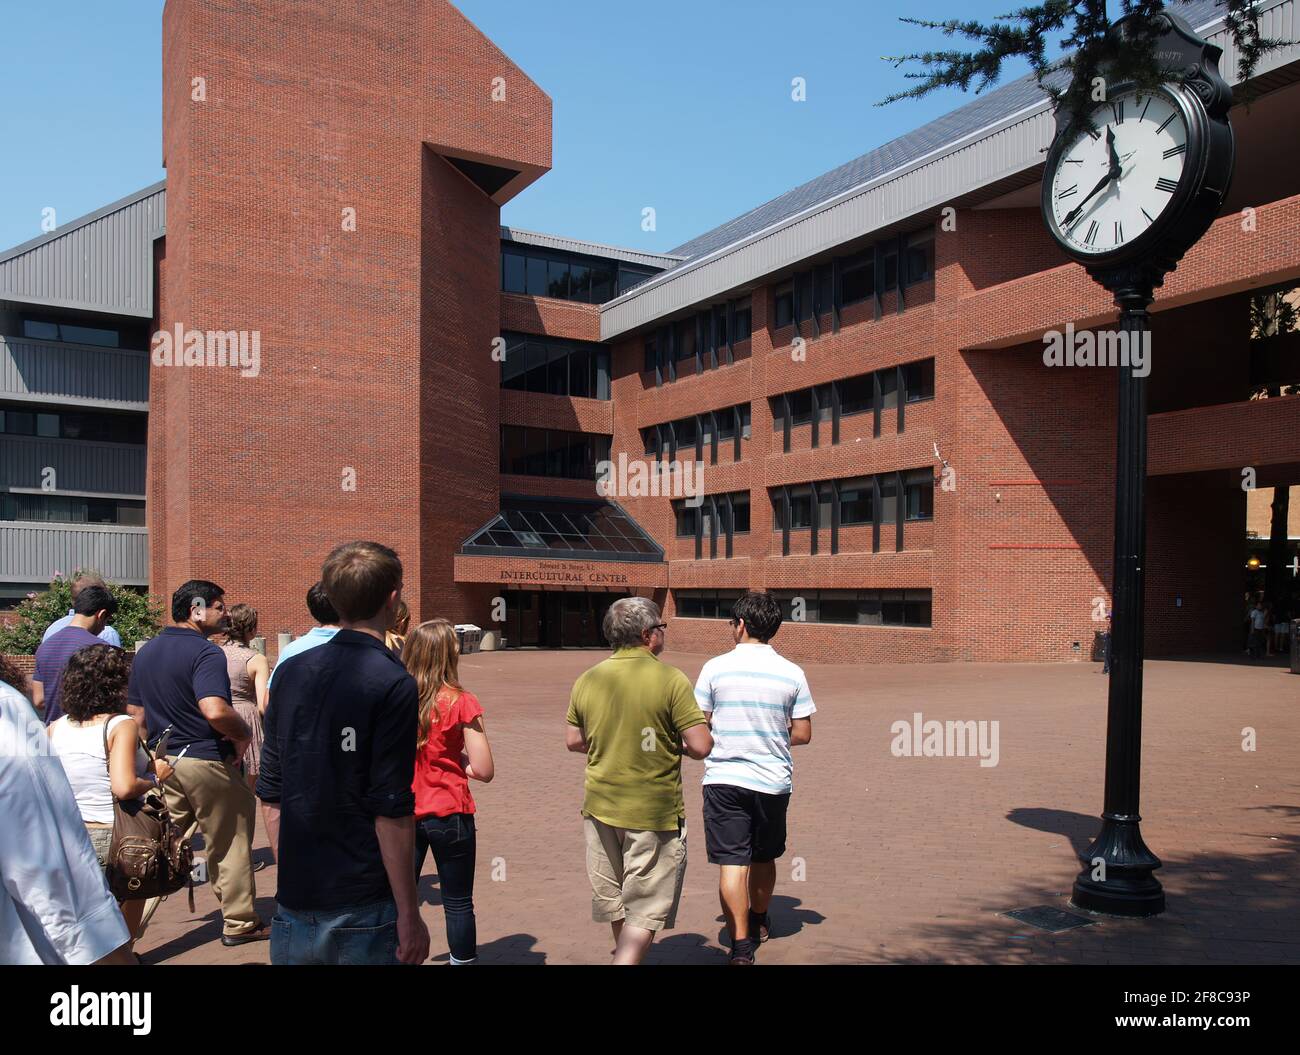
{"x":1126,"y":885}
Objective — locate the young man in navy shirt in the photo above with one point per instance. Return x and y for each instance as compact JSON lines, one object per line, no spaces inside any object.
{"x":179,"y":682}
{"x":337,"y":766}
{"x":91,"y":612}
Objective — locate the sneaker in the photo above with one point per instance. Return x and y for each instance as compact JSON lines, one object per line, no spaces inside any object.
{"x":759,"y":925}
{"x":260,"y":933}
{"x":742,"y":953}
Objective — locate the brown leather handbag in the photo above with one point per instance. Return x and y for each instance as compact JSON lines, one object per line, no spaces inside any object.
{"x":149,"y":855}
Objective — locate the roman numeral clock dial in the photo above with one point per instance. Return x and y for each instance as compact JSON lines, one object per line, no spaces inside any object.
{"x":1113,"y":182}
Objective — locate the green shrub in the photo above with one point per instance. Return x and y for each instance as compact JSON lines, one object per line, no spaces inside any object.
{"x":138,"y":616}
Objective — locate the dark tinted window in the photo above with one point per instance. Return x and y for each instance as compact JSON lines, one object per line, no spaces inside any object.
{"x":512,"y":273}
{"x":919,"y":378}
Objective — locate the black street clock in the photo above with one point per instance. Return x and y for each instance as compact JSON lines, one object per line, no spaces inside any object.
{"x":1144,"y":183}
{"x":1126,"y":197}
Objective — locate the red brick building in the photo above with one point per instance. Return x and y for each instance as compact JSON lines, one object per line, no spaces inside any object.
{"x":857,"y":366}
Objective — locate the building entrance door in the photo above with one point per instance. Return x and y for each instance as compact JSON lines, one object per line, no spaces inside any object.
{"x":546,"y":619}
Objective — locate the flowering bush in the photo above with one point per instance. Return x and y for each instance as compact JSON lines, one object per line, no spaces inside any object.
{"x":137,"y":618}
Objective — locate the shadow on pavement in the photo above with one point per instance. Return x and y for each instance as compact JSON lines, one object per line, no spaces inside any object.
{"x":1222,"y":908}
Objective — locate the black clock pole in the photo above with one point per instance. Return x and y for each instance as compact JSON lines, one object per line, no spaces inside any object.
{"x":1117,"y":876}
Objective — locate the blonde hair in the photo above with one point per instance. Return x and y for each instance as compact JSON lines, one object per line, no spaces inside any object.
{"x":432,"y":656}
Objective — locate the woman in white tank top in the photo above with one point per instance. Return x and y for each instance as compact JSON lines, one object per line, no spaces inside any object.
{"x":93,"y":697}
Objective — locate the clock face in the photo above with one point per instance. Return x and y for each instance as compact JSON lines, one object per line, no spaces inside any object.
{"x":1111,"y":185}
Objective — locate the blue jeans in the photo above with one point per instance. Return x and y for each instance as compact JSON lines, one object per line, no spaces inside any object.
{"x":366,"y":934}
{"x":453,"y":843}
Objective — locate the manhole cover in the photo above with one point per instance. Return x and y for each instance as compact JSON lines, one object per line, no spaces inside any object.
{"x":1046,"y":917}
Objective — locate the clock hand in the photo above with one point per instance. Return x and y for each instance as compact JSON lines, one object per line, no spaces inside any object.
{"x":1110,"y":146}
{"x":1101,"y":185}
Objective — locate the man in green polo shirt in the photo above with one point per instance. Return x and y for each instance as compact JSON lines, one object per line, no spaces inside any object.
{"x":633,"y":716}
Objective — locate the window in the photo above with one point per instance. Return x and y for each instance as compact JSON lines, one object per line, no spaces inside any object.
{"x":686,"y":340}
{"x":41,"y":330}
{"x":823,"y":393}
{"x":888,"y":388}
{"x":855,"y":501}
{"x":740,"y":512}
{"x":744,"y":320}
{"x":857,"y":395}
{"x":919,"y":378}
{"x":629,"y":276}
{"x":857,"y":607}
{"x":890,"y":261}
{"x":542,"y":272}
{"x":804,"y":300}
{"x":888,"y":499}
{"x":536,"y":284}
{"x":94,"y":425}
{"x":705,"y":604}
{"x":858,"y":277}
{"x":555,"y":366}
{"x":512,"y":273}
{"x":71,"y":509}
{"x":800,"y":507}
{"x":687,"y":429}
{"x":784,"y":305}
{"x":686,"y":518}
{"x":800,"y":406}
{"x":551,"y":452}
{"x":823,"y":287}
{"x":919,"y":488}
{"x":557,"y":274}
{"x":920,"y":255}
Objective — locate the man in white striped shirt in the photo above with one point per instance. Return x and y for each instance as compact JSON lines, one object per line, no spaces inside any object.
{"x":758,"y":706}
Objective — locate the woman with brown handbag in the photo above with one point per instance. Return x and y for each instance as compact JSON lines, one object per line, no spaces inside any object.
{"x":99,"y":746}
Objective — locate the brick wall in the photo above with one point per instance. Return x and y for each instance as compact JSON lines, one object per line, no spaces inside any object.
{"x":375,"y":342}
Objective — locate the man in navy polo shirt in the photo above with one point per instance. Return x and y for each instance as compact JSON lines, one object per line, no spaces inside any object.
{"x":179,"y":682}
{"x":335,"y":779}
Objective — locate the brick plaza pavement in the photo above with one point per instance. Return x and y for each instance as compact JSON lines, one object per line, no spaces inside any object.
{"x":904,"y":860}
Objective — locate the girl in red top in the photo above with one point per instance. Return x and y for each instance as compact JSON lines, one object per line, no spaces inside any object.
{"x":452,"y":750}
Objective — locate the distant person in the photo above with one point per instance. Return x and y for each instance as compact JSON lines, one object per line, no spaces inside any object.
{"x":108,"y":635}
{"x":452,"y":749}
{"x":55,"y":905}
{"x":327,"y":626}
{"x":1281,"y":626}
{"x":337,"y":769}
{"x":1258,"y":628}
{"x":93,"y":610}
{"x":396,"y":637}
{"x":759,"y":706}
{"x":1107,"y":638}
{"x":179,"y":683}
{"x":633,"y":717}
{"x":99,"y":746}
{"x":249,"y":674}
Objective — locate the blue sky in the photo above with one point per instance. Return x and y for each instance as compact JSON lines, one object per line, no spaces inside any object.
{"x":682,"y":106}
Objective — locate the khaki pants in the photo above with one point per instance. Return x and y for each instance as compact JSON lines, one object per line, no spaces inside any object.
{"x":214,"y":798}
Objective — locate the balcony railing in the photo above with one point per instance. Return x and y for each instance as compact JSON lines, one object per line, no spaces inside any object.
{"x":81,"y":374}
{"x":32,"y":552}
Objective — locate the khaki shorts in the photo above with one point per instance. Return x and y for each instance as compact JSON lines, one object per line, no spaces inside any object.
{"x":635,"y":876}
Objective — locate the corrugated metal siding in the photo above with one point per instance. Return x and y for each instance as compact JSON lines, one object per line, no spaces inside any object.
{"x":79,"y":465}
{"x":74,"y":373}
{"x":573,"y":245}
{"x":34,"y":552}
{"x":802,"y":224}
{"x":103,"y":262}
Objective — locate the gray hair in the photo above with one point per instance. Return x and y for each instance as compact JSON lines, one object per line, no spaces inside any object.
{"x":628,"y":619}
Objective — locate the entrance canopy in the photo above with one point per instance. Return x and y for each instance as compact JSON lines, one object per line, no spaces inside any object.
{"x":562,"y":529}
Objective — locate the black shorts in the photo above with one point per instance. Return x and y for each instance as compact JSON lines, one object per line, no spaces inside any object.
{"x":742,"y":826}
